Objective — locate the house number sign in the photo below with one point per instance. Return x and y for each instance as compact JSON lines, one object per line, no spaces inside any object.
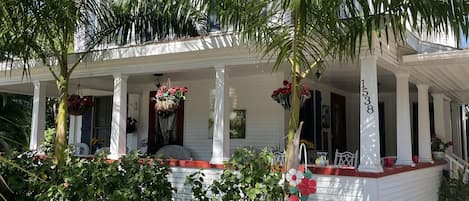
{"x":365,"y":94}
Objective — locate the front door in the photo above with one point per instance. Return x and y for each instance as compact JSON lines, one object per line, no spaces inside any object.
{"x":338,"y":126}
{"x":163,"y":129}
{"x":102,"y":122}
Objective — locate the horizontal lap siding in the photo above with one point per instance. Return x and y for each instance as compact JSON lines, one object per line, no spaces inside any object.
{"x":178,"y":178}
{"x":264,"y":117}
{"x":344,"y":188}
{"x":412,"y":186}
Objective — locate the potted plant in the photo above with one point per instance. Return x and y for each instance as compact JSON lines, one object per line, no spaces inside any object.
{"x":79,"y":105}
{"x":282,"y":95}
{"x":168,"y":98}
{"x":439,"y":147}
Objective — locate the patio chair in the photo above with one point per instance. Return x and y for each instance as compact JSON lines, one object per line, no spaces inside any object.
{"x":279,"y":158}
{"x":82,"y":149}
{"x":346,"y":159}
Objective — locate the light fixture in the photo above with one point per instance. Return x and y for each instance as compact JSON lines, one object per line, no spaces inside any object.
{"x":157,"y":80}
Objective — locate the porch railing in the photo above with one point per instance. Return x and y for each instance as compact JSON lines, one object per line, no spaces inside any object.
{"x":457,"y":165}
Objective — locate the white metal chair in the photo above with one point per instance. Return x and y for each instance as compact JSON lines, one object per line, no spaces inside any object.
{"x":346,"y":159}
{"x":279,"y":158}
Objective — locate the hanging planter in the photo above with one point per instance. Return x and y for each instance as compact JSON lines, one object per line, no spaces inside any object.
{"x":168,"y":99}
{"x":79,"y":105}
{"x":283,"y":95}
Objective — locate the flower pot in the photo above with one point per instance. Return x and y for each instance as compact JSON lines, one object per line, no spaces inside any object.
{"x":389,"y":161}
{"x":75,"y":112}
{"x":438,"y":155}
{"x":415,"y":158}
{"x":201,"y":164}
{"x":166,"y":106}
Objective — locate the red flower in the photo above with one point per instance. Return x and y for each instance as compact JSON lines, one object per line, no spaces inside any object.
{"x":285,"y":83}
{"x":294,"y":198}
{"x":183,"y":89}
{"x":307,"y":186}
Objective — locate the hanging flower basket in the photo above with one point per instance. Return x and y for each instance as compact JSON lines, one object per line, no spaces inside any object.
{"x":79,"y":105}
{"x":168,"y":99}
{"x":283,"y":95}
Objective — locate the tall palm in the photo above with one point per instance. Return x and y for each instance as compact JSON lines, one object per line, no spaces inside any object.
{"x":305,"y":32}
{"x":44,"y":30}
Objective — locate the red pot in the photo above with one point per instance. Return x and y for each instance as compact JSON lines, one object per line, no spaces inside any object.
{"x":172,"y":162}
{"x":201,"y":164}
{"x":388,"y":161}
{"x":415,"y":159}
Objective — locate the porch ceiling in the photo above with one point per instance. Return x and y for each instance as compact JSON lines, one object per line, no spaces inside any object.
{"x":445,"y":72}
{"x":346,"y":76}
{"x":103,"y":85}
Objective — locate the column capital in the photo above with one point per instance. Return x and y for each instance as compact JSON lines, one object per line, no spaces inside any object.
{"x":441,"y":95}
{"x":402,"y":74}
{"x":368,"y":57}
{"x":120,"y":75}
{"x":219,"y":66}
{"x":422,"y":86}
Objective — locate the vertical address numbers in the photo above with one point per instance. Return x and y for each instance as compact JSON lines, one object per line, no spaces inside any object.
{"x":365,"y":94}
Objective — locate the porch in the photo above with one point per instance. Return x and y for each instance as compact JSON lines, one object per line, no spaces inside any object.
{"x":394,"y":183}
{"x":376,"y":105}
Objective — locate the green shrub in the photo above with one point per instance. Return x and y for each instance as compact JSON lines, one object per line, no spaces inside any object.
{"x":81,"y":179}
{"x":250,"y":176}
{"x":453,"y":189}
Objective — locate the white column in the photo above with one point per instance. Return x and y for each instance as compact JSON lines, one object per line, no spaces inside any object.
{"x":439,"y":116}
{"x":403,"y":133}
{"x":74,"y":130}
{"x":464,"y":131}
{"x":119,"y":117}
{"x":38,"y":115}
{"x":370,"y":159}
{"x":425,"y":153}
{"x":456,"y":129}
{"x":221,"y":125}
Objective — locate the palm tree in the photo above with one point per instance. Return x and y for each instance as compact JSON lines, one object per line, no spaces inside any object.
{"x":44,"y":30}
{"x":305,"y":32}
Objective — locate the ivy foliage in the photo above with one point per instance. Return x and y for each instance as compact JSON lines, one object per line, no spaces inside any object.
{"x":250,"y":176}
{"x":453,"y":189}
{"x":81,"y":179}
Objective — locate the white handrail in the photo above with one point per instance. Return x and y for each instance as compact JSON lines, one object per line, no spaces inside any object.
{"x":460,"y":165}
{"x":305,"y":154}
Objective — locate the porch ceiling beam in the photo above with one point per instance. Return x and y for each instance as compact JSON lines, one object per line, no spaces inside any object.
{"x":151,"y":64}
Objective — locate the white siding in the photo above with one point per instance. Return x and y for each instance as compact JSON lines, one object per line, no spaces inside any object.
{"x":417,"y":185}
{"x":264,"y":117}
{"x":178,"y":177}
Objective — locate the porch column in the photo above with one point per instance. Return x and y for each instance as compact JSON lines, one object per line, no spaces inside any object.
{"x":74,"y":130}
{"x":221,"y":124}
{"x":464,"y":131}
{"x":370,"y":159}
{"x":425,"y":153}
{"x":403,"y":134}
{"x":439,"y":116}
{"x":38,"y":115}
{"x":119,"y":117}
{"x":456,"y":128}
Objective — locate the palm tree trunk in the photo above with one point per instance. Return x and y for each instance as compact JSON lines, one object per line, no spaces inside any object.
{"x":61,"y":129}
{"x":293,"y":145}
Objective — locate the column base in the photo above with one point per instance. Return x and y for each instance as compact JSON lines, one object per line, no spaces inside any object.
{"x":426,"y":160}
{"x":115,"y":156}
{"x":370,"y":168}
{"x":216,"y":160}
{"x":405,"y":162}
